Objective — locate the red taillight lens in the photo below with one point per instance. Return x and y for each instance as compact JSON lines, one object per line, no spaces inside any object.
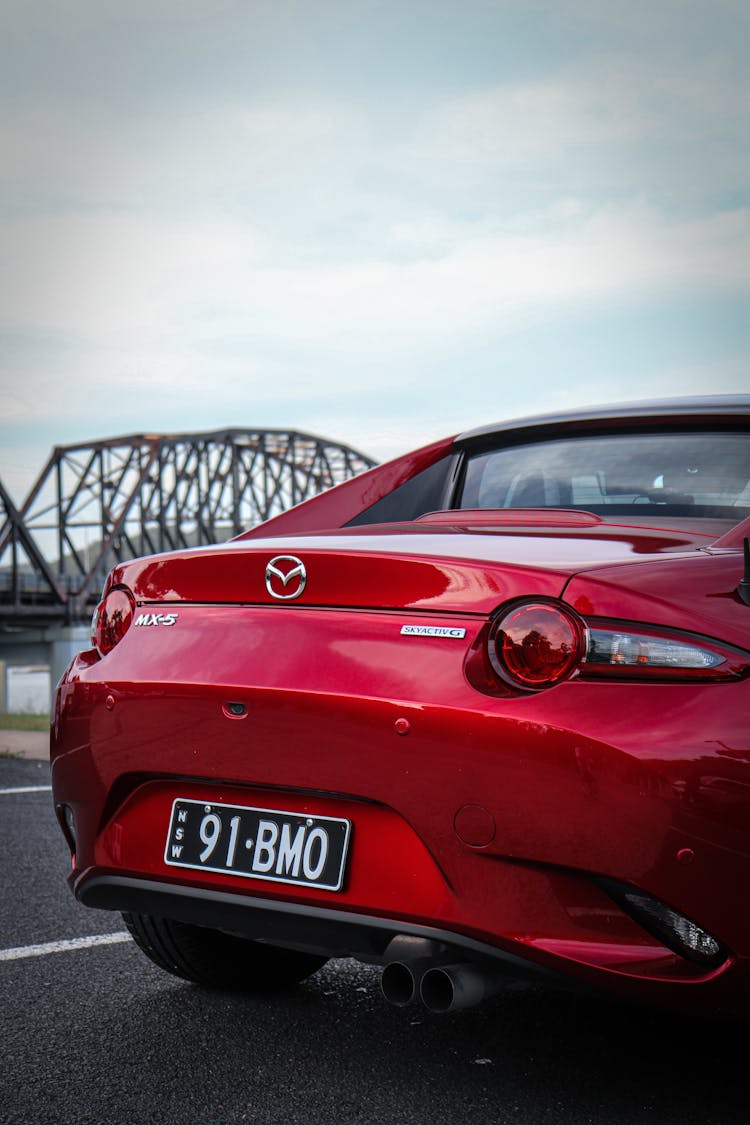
{"x":536,"y":644}
{"x":112,"y":619}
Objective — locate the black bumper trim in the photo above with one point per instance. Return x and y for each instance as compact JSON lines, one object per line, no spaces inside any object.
{"x":335,"y":933}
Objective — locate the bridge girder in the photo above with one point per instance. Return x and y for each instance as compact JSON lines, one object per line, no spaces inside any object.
{"x":99,"y":503}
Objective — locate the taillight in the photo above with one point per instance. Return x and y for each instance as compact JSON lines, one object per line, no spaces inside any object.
{"x":621,"y":650}
{"x":534,"y":645}
{"x":112,"y":619}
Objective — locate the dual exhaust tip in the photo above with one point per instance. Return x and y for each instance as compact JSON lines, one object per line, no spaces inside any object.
{"x":441,"y":988}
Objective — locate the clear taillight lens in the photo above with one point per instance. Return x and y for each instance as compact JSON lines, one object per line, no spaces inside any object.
{"x":617,"y":650}
{"x":112,"y":619}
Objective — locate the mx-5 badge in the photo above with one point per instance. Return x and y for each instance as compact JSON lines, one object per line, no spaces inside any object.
{"x":156,"y":619}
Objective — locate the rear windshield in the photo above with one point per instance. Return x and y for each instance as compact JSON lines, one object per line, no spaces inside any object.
{"x":675,"y":474}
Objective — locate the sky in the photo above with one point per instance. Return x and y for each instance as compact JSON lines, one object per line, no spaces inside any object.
{"x":380,"y":222}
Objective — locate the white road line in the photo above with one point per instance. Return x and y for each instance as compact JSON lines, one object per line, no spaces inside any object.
{"x":27,"y":789}
{"x":63,"y":946}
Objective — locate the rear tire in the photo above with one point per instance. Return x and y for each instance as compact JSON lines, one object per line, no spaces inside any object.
{"x":218,"y":960}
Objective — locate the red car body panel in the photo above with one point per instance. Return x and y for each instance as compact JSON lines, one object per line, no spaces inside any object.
{"x":481,"y":813}
{"x":338,"y":505}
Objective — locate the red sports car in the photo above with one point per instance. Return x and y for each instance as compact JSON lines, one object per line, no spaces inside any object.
{"x":480,"y":712}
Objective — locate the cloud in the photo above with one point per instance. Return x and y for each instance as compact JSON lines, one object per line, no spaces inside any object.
{"x":295,"y":216}
{"x":13,"y":407}
{"x":671,"y":130}
{"x":118,"y":280}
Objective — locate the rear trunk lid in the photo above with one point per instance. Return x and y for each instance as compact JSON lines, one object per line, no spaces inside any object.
{"x":454,"y":562}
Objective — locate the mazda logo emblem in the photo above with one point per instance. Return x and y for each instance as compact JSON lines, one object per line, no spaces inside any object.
{"x":286,"y":577}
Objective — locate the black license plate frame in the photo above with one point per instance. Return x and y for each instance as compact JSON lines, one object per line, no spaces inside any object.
{"x":270,"y":845}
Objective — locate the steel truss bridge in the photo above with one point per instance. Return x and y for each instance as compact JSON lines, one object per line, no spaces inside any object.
{"x":97,"y":504}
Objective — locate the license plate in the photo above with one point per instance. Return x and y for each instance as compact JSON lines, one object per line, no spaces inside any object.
{"x":280,"y":847}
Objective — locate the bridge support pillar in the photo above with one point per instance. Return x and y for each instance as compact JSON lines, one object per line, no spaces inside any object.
{"x":64,"y":642}
{"x":36,"y":650}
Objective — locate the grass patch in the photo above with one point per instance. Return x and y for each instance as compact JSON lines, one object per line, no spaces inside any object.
{"x":24,"y":722}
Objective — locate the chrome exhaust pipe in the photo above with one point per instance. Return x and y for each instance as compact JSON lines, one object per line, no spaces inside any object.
{"x":446,"y":988}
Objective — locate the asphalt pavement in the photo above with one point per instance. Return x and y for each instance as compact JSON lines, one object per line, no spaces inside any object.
{"x":95,"y":1033}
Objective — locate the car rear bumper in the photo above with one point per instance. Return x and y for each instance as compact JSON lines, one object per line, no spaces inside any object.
{"x":487,"y":822}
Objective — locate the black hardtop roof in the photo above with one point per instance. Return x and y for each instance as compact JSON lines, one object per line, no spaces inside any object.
{"x":697,"y":409}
